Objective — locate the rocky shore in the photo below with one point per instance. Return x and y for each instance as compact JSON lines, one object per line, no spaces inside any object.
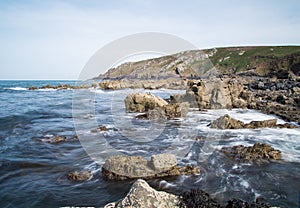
{"x":141,"y":195}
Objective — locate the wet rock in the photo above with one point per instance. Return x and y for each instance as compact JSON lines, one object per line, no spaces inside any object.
{"x":270,"y":123}
{"x":80,"y":175}
{"x":237,"y":203}
{"x":258,"y":152}
{"x":197,"y":198}
{"x":123,"y":167}
{"x":33,"y":88}
{"x":99,"y":129}
{"x":55,"y":139}
{"x":226,"y":122}
{"x":141,"y":102}
{"x":141,"y":195}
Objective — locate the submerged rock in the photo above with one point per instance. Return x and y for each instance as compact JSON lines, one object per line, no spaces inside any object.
{"x":141,"y":195}
{"x":237,"y":203}
{"x":122,"y":167}
{"x":99,"y":129}
{"x":258,"y":152}
{"x":80,"y":175}
{"x":226,"y":122}
{"x":55,"y":139}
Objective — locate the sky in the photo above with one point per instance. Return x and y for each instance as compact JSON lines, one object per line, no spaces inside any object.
{"x":55,"y":39}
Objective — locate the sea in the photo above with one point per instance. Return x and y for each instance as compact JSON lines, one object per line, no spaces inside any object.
{"x":34,"y":171}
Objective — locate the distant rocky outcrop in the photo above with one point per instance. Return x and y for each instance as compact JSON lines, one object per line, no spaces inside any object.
{"x":226,"y":122}
{"x":123,"y":167}
{"x":154,"y":106}
{"x":168,"y":83}
{"x":259,"y":152}
{"x":141,"y":195}
{"x":62,"y":87}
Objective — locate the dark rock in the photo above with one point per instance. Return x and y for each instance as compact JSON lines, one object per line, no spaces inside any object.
{"x":198,"y":199}
{"x":237,"y":203}
{"x":281,"y":99}
{"x":258,"y":152}
{"x":33,"y":88}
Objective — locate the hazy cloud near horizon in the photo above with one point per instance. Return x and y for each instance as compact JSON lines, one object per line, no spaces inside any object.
{"x":54,"y":39}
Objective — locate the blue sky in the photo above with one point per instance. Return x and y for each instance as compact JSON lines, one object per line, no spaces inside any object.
{"x":54,"y":39}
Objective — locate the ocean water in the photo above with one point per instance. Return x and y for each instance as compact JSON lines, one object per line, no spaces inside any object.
{"x":33,"y":172}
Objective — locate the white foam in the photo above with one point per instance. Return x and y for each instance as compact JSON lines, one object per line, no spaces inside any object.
{"x":16,"y":88}
{"x":46,"y":90}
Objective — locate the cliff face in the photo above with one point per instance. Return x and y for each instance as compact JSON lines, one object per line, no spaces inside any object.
{"x":261,"y":60}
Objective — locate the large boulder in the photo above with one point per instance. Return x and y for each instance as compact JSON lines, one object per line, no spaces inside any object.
{"x":141,"y":102}
{"x":226,"y":122}
{"x":155,"y":107}
{"x":122,"y":167}
{"x":258,"y":152}
{"x":141,"y":195}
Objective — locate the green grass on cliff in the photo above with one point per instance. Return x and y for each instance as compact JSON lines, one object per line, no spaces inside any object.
{"x":244,"y":58}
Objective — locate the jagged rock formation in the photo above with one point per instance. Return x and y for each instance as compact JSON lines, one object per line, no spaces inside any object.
{"x":226,"y":122}
{"x":216,"y":94}
{"x":123,"y":167}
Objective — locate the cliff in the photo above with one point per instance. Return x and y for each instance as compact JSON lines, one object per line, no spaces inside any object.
{"x":257,"y":60}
